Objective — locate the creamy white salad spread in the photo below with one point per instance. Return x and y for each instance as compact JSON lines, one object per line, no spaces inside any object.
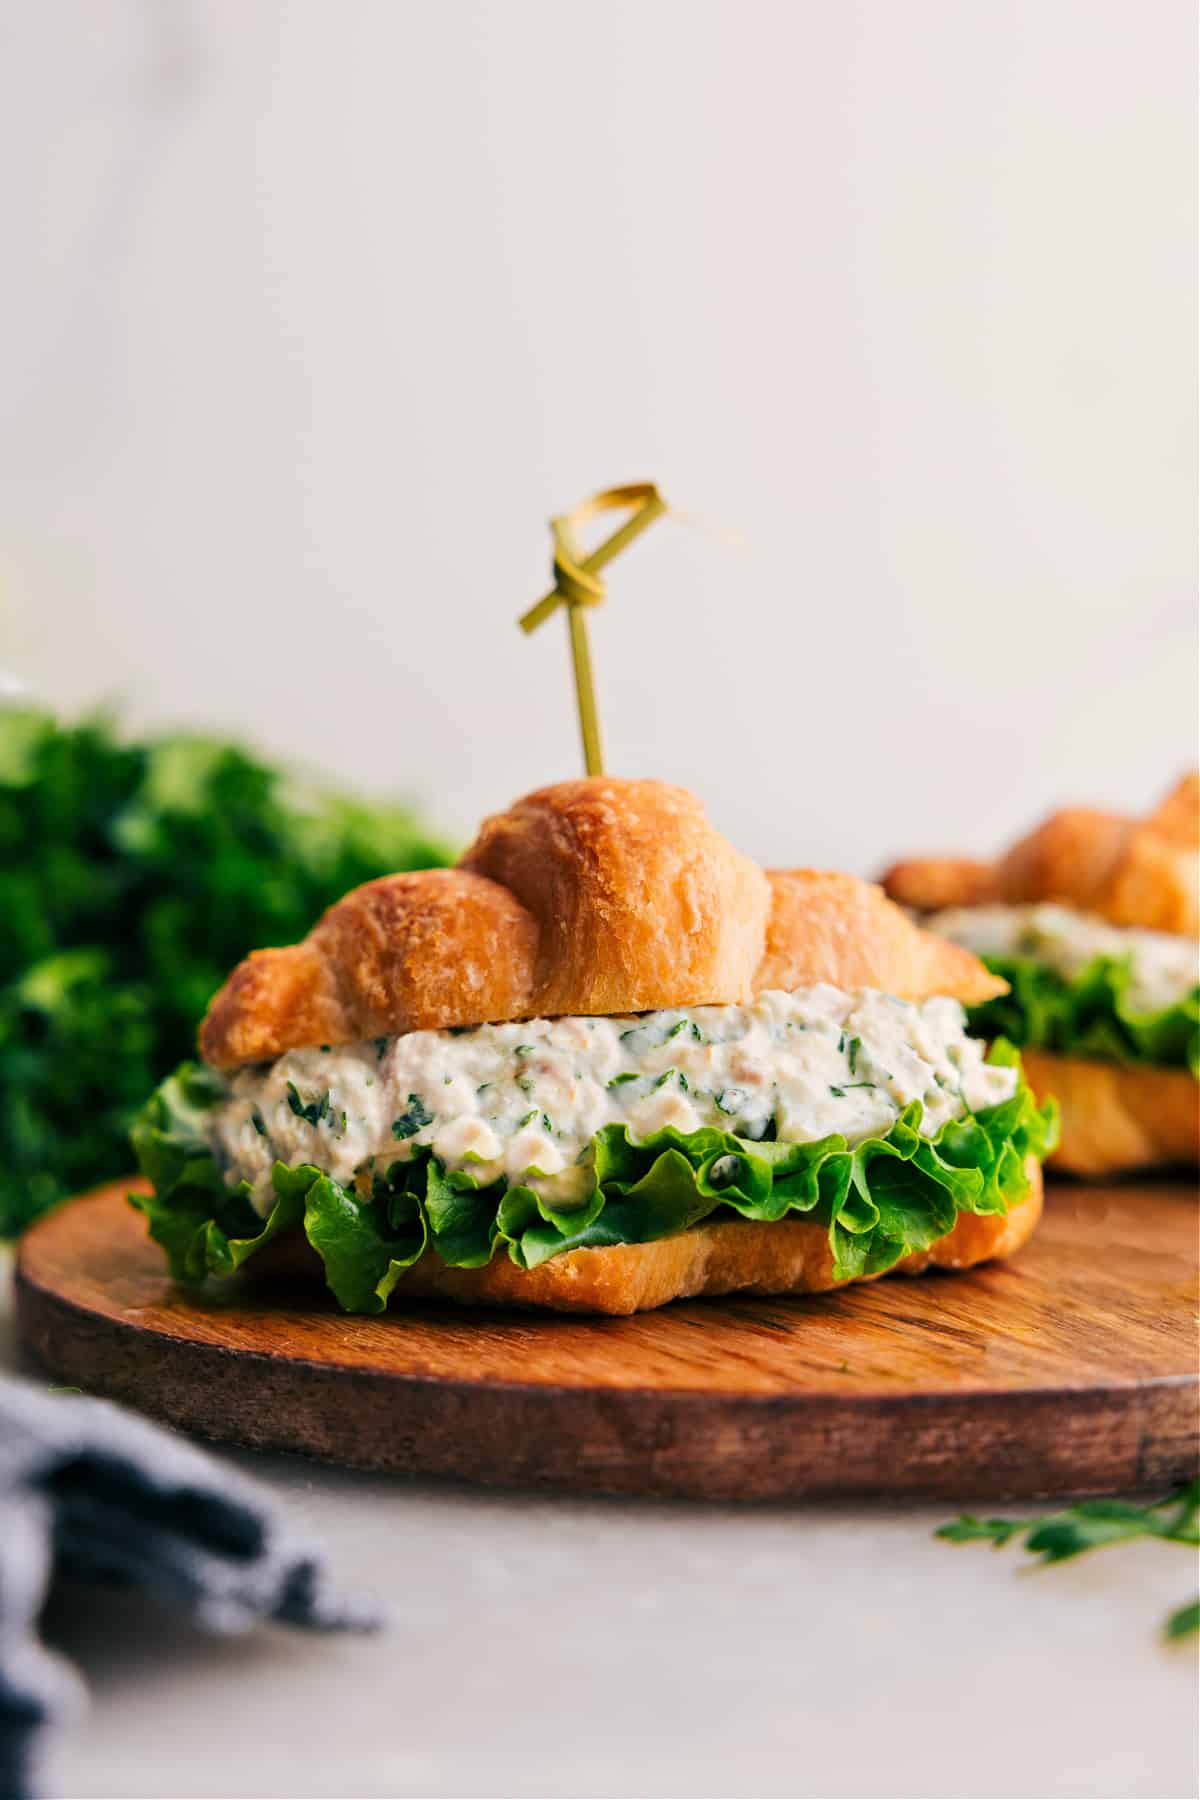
{"x":523,"y":1101}
{"x":1163,"y":968}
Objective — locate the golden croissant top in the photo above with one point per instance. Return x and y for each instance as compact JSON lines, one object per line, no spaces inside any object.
{"x":1132,"y":872}
{"x":596,"y":896}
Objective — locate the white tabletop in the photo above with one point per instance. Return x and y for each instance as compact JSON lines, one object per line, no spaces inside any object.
{"x":585,"y":1647}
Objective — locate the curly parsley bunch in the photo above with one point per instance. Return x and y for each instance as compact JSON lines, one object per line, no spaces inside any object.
{"x":132,"y":877}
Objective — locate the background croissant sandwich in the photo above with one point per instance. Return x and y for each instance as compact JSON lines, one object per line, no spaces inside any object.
{"x":605,"y":1062}
{"x":1092,"y":922}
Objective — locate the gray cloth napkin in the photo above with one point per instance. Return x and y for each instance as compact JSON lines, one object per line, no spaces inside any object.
{"x":91,"y":1491}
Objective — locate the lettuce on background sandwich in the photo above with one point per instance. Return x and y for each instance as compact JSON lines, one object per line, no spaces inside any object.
{"x":606,"y":1062}
{"x":1092,"y":922}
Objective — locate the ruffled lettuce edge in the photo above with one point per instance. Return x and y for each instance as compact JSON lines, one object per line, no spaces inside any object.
{"x":881,"y":1199}
{"x":1088,"y":1016}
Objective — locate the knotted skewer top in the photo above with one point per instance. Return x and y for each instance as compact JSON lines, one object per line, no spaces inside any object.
{"x":577,"y":585}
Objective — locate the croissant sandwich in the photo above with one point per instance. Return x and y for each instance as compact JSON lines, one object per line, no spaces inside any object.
{"x":1092,"y":921}
{"x":605,"y":1062}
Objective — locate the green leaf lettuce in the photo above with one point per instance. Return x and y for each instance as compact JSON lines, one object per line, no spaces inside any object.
{"x":1088,"y":1015}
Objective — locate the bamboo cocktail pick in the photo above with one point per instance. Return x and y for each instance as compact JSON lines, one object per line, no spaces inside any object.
{"x":577,"y":586}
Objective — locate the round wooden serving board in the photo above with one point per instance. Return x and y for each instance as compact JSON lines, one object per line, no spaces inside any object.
{"x":1071,"y":1369}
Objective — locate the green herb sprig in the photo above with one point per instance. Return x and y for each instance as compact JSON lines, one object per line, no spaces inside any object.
{"x":1056,"y":1537}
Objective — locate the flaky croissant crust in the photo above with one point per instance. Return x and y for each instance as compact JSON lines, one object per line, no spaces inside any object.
{"x":594,"y":896}
{"x":1132,"y":872}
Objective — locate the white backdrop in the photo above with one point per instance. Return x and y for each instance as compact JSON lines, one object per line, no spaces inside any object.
{"x":311,"y":313}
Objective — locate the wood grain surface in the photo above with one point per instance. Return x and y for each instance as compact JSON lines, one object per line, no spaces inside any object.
{"x":1072,"y":1369}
